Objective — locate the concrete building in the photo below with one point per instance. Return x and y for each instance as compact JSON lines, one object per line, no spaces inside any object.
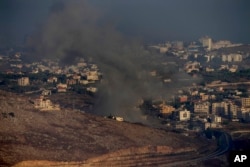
{"x":245,"y":102}
{"x":71,"y":81}
{"x":216,"y":119}
{"x":183,"y":98}
{"x":92,"y":89}
{"x":204,"y":97}
{"x":192,"y":66}
{"x":81,"y":64}
{"x":52,"y":80}
{"x":76,"y":77}
{"x":234,"y":68}
{"x":178,"y":45}
{"x":221,"y":44}
{"x":211,"y":125}
{"x":61,"y":87}
{"x":163,"y":49}
{"x":120,"y":119}
{"x":243,"y":113}
{"x":202,"y":107}
{"x":224,"y":67}
{"x":232,"y":57}
{"x":206,"y":42}
{"x":44,"y":104}
{"x":184,"y":115}
{"x":233,"y":111}
{"x":92,"y":75}
{"x":24,"y":81}
{"x":220,"y":108}
{"x":84,"y":82}
{"x":166,"y":109}
{"x":46,"y":92}
{"x":209,"y":69}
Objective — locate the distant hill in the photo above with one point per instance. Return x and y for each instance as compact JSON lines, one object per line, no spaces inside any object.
{"x":65,"y":136}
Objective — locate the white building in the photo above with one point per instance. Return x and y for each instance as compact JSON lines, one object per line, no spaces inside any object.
{"x":244,"y":113}
{"x":216,"y":119}
{"x":81,"y":64}
{"x":46,"y":92}
{"x":92,"y":89}
{"x":221,"y":44}
{"x":184,"y":115}
{"x":209,"y":69}
{"x":211,"y":125}
{"x":207,"y":42}
{"x":84,"y":82}
{"x":233,"y":111}
{"x":92,"y":75}
{"x":234,"y":68}
{"x":24,"y":81}
{"x":220,"y":108}
{"x":201,"y":107}
{"x":233,"y":57}
{"x":245,"y":102}
{"x":120,"y":119}
{"x":61,"y":87}
{"x":52,"y":80}
{"x":163,"y":49}
{"x":44,"y":104}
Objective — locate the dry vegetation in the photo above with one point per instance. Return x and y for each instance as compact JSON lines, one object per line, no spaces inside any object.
{"x":27,"y":134}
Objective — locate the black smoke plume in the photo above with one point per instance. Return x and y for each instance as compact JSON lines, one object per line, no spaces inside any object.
{"x":75,"y":29}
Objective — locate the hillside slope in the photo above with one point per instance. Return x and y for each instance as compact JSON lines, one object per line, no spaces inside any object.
{"x":27,"y":134}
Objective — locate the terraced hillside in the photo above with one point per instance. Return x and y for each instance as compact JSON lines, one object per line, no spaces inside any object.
{"x":30,"y":137}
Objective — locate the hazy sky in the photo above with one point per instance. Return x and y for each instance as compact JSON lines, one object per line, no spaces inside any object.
{"x":152,"y":20}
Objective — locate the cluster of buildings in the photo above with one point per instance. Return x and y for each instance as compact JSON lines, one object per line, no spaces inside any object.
{"x":232,"y":57}
{"x":205,"y":53}
{"x":50,"y":77}
{"x":82,"y":73}
{"x":201,"y":108}
{"x":206,"y":43}
{"x":209,"y":44}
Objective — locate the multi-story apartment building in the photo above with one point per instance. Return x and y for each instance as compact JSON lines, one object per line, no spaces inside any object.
{"x":220,"y":108}
{"x":24,"y":81}
{"x":233,"y":111}
{"x":202,"y":107}
{"x":232,"y":58}
{"x":206,"y":42}
{"x":245,"y":102}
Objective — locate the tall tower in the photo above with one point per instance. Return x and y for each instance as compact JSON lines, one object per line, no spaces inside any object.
{"x":206,"y":42}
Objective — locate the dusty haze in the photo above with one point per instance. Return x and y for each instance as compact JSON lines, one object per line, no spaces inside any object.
{"x":75,"y":29}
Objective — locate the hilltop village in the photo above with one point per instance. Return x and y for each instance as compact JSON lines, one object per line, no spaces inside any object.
{"x":219,"y":97}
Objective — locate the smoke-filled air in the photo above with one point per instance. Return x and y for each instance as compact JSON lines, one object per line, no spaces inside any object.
{"x":76,"y":30}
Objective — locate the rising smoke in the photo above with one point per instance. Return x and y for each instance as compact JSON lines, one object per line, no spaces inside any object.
{"x":75,"y":29}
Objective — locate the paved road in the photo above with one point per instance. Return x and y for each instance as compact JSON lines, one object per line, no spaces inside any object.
{"x":239,"y":134}
{"x":225,"y":140}
{"x":228,"y":84}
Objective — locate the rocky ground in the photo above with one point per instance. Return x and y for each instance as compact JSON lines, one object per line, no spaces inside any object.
{"x":30,"y":137}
